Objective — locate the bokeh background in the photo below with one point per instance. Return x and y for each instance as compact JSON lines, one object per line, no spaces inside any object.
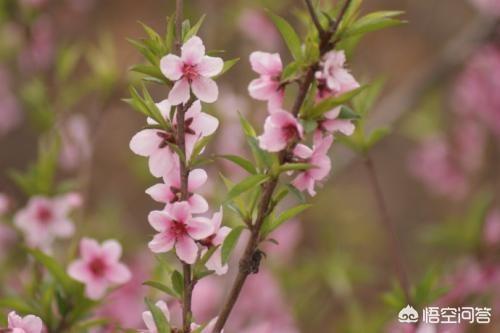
{"x":333,"y":267}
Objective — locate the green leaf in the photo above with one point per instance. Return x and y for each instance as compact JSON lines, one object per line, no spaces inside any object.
{"x":186,"y":26}
{"x":244,"y":163}
{"x":228,"y":64}
{"x":194,"y":30}
{"x":161,"y":287}
{"x":247,"y":127}
{"x":230,"y":243}
{"x":198,"y":147}
{"x":273,"y":224}
{"x":245,"y":185}
{"x":330,"y":103}
{"x":150,"y":71}
{"x":289,"y":35}
{"x":294,"y":167}
{"x":170,"y":34}
{"x":160,"y":320}
{"x":67,"y":61}
{"x":347,"y":113}
{"x":16,"y":304}
{"x":56,"y":270}
{"x":177,"y":282}
{"x":373,"y":22}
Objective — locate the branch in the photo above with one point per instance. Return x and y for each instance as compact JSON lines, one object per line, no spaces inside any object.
{"x":314,"y":17}
{"x":249,"y":262}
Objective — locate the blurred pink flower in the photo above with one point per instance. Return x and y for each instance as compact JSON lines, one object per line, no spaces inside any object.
{"x":258,"y":27}
{"x":492,"y":228}
{"x":99,"y":267}
{"x":207,"y":295}
{"x":488,"y":7}
{"x":288,"y":236}
{"x":125,"y":304}
{"x":75,"y":138}
{"x":193,"y":69}
{"x":207,"y":329}
{"x":280,"y":129}
{"x":169,"y":191}
{"x":333,"y":78}
{"x":44,"y":219}
{"x":177,"y":228}
{"x":476,"y":91}
{"x":318,"y":158}
{"x":28,"y":324}
{"x":267,"y":87}
{"x":216,"y":239}
{"x":149,"y":321}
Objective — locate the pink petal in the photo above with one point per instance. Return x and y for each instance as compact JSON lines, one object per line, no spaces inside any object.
{"x":205,"y":89}
{"x":160,"y":193}
{"x":198,"y":204}
{"x":205,"y":124}
{"x":217,"y":220}
{"x":302,"y":151}
{"x":266,"y":63}
{"x":160,"y":221}
{"x":171,"y":66}
{"x":264,"y":89}
{"x":63,"y":228}
{"x":112,"y":250}
{"x":179,"y":94}
{"x":210,"y":66}
{"x":196,"y":179}
{"x":162,"y":243}
{"x":186,"y":249}
{"x":333,"y":114}
{"x":79,"y":271}
{"x":199,"y":228}
{"x":221,"y":235}
{"x":118,"y":273}
{"x":95,"y":289}
{"x":89,"y":248}
{"x":272,"y":140}
{"x":303,"y":181}
{"x":161,"y":162}
{"x":180,"y":211}
{"x":345,"y":127}
{"x":32,"y":324}
{"x":282,"y":118}
{"x":148,"y":319}
{"x":145,"y":142}
{"x":214,"y":263}
{"x":322,"y":144}
{"x":193,"y":51}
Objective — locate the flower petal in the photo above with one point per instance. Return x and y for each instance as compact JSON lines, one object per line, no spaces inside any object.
{"x":161,"y":162}
{"x":210,"y":66}
{"x":196,"y":179}
{"x":160,"y":192}
{"x":89,"y":248}
{"x":266,"y":63}
{"x":179,"y":93}
{"x":186,"y":249}
{"x":118,"y":273}
{"x":193,"y":51}
{"x":112,"y":250}
{"x":205,"y":89}
{"x":171,"y":66}
{"x":198,"y":204}
{"x":162,"y":243}
{"x":160,"y":221}
{"x":199,"y":228}
{"x":145,"y":142}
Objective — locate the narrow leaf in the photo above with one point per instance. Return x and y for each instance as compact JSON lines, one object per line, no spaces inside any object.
{"x":230,"y":243}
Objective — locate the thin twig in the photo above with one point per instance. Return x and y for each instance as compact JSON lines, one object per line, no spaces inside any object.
{"x":385,"y":218}
{"x":314,"y":17}
{"x":249,"y":261}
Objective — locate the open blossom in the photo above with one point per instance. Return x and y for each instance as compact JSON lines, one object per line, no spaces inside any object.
{"x":216,"y":239}
{"x":149,"y":321}
{"x":319,"y":160}
{"x":177,"y":228}
{"x":170,"y":190}
{"x":280,"y":129}
{"x":27,"y":324}
{"x":44,"y":219}
{"x":333,"y":78}
{"x":331,"y":123}
{"x":267,"y":87}
{"x":193,"y":70}
{"x":99,"y":267}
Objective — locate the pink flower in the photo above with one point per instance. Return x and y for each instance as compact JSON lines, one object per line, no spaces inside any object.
{"x":99,"y":267}
{"x":216,"y":239}
{"x":280,"y":129}
{"x":28,"y":324}
{"x":267,"y":87}
{"x":44,"y":219}
{"x":154,"y":143}
{"x":492,"y":228}
{"x":319,"y":160}
{"x":207,"y":329}
{"x":169,"y":191}
{"x":258,"y":27}
{"x":147,"y":316}
{"x":331,"y":124}
{"x":333,"y":76}
{"x":197,"y":125}
{"x":192,"y":70}
{"x":177,"y":228}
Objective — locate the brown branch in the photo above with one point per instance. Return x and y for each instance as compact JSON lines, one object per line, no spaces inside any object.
{"x":314,"y":17}
{"x":385,"y":218}
{"x":249,"y":261}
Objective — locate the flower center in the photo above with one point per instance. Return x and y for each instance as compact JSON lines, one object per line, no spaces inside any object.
{"x":177,"y":194}
{"x":290,"y":132}
{"x":208,"y":242}
{"x":190,"y":72}
{"x":166,"y":137}
{"x":178,"y":229}
{"x":44,"y":215}
{"x":98,"y":267}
